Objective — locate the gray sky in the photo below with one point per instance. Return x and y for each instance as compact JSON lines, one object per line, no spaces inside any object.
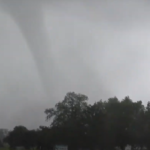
{"x":98,"y":48}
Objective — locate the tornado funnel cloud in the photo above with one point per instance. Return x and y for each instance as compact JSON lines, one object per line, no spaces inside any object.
{"x":29,"y":19}
{"x":68,"y":73}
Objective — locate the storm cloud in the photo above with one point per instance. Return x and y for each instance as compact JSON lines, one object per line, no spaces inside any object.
{"x":98,"y":48}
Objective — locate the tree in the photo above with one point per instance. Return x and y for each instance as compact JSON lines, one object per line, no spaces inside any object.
{"x":146,"y":125}
{"x":29,"y":139}
{"x":104,"y":125}
{"x":68,"y":111}
{"x":112,"y":108}
{"x":94,"y":124}
{"x":15,"y":137}
{"x":67,"y":116}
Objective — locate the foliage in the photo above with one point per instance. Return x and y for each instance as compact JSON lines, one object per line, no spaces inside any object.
{"x":103,"y":125}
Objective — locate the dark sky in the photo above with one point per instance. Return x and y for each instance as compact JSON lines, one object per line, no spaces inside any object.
{"x":48,"y":48}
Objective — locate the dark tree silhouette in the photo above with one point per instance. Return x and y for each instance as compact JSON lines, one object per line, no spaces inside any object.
{"x":103,"y":125}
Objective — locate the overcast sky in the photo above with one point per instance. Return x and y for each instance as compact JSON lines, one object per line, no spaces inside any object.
{"x":100,"y":48}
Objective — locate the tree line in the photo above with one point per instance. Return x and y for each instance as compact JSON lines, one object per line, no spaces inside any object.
{"x":103,"y":125}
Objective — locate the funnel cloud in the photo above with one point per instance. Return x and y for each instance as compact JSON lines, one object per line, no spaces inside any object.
{"x":48,"y":48}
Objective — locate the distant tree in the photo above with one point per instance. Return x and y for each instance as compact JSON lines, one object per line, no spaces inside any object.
{"x":67,"y":118}
{"x":94,"y":125}
{"x":68,"y":111}
{"x":29,"y":139}
{"x":15,"y":137}
{"x":104,"y":125}
{"x":146,"y":125}
{"x":112,"y":108}
{"x":3,"y":134}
